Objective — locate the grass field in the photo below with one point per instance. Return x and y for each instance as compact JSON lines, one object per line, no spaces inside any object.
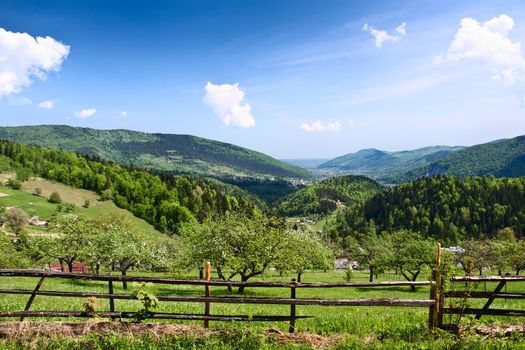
{"x":38,"y":205}
{"x":391,"y":327}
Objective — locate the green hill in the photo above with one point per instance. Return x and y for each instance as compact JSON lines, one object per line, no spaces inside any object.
{"x":326,"y":195}
{"x":178,"y":154}
{"x":386,"y":166}
{"x":501,"y":158}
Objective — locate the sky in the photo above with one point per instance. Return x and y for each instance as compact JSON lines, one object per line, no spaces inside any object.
{"x":289,"y":78}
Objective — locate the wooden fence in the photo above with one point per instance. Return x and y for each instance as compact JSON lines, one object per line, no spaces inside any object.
{"x":207,"y":299}
{"x":463,"y":296}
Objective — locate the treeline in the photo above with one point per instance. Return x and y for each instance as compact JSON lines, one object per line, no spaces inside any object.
{"x":445,"y":208}
{"x":325,"y":196}
{"x":163,"y":200}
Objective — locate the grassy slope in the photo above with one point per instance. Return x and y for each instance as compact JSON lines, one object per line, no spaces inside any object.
{"x":175,"y":153}
{"x":38,"y":205}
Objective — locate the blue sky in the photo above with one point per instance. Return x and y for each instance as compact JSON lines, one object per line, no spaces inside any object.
{"x":293,"y":79}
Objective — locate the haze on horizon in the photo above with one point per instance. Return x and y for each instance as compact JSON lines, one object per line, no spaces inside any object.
{"x":293,"y":79}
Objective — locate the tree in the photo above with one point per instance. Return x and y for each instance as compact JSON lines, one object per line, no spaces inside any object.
{"x":236,"y":245}
{"x":69,"y":246}
{"x":16,"y":220}
{"x":55,"y":198}
{"x":411,"y":253}
{"x":306,"y":251}
{"x":373,"y":252}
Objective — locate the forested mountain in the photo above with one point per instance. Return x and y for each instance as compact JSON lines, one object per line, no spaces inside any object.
{"x":386,"y":166}
{"x":163,"y":200}
{"x":445,"y":207}
{"x":177,"y":154}
{"x":501,"y":158}
{"x":326,"y":195}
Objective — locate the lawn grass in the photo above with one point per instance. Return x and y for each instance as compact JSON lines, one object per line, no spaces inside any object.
{"x":377,"y":327}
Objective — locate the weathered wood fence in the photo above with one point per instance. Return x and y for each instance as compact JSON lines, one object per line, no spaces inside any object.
{"x":207,"y":299}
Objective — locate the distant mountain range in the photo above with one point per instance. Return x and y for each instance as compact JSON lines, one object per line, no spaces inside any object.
{"x":500,"y":158}
{"x":386,"y":166}
{"x":179,"y":154}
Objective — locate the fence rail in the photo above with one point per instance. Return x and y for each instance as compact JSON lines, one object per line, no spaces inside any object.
{"x":293,"y":301}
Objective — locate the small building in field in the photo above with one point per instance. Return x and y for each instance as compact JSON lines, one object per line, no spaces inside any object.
{"x":77,"y":267}
{"x":35,"y":221}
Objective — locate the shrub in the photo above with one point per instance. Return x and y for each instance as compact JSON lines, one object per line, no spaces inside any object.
{"x":87,"y":203}
{"x":55,"y":198}
{"x":14,"y":184}
{"x":37,"y":191}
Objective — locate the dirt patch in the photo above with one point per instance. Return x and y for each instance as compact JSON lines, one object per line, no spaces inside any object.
{"x":32,"y":330}
{"x":498,"y":330}
{"x":3,"y":195}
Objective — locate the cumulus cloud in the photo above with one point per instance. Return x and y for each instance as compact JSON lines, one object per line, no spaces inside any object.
{"x":49,"y":104}
{"x":318,"y":126}
{"x":382,"y":36}
{"x":226,"y":102}
{"x":23,"y":57}
{"x":85,"y":113}
{"x":489,"y":42}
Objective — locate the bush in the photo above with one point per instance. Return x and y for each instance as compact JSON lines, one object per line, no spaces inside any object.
{"x":69,"y":207}
{"x":87,"y":203}
{"x":37,"y":191}
{"x":55,"y":198}
{"x":14,"y":184}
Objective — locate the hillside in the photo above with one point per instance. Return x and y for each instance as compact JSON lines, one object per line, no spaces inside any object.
{"x":326,"y":195}
{"x":178,"y":154}
{"x":386,"y":166}
{"x":163,"y":200}
{"x":447,"y":208}
{"x":501,"y":158}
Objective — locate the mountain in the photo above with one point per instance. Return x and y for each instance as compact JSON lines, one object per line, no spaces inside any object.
{"x":501,"y":158}
{"x":326,"y":195}
{"x":386,"y":166}
{"x":307,"y":163}
{"x":179,"y":154}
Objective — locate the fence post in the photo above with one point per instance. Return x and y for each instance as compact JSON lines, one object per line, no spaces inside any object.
{"x":33,"y":295}
{"x":207,"y":294}
{"x":435,"y":313}
{"x":291,"y":328}
{"x":111,"y":300}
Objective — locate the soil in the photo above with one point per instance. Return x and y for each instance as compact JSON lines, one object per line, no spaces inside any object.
{"x":32,"y":330}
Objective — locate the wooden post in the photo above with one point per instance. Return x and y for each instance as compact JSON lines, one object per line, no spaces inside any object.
{"x":435,"y":313}
{"x":291,"y":328}
{"x":111,"y":299}
{"x":207,"y":294}
{"x":33,"y":295}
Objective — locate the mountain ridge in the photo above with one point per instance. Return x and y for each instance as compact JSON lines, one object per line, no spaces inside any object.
{"x":179,"y":154}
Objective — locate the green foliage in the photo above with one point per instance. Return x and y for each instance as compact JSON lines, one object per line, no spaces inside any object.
{"x":445,"y":208}
{"x":326,"y":195}
{"x":148,"y":300}
{"x":54,"y":197}
{"x":91,"y":305}
{"x":148,"y":196}
{"x":11,"y":257}
{"x":181,"y":154}
{"x":14,"y":184}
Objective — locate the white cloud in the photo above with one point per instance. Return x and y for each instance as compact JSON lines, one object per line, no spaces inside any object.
{"x":123,"y":113}
{"x":318,"y":126}
{"x":49,"y":104}
{"x":381,"y":36}
{"x":225,"y":101}
{"x":23,"y":57}
{"x":85,"y":113}
{"x":490,"y":43}
{"x":19,"y":101}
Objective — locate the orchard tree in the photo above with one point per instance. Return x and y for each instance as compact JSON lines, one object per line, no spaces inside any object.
{"x":373,"y":252}
{"x":306,"y":251}
{"x":16,"y":219}
{"x":236,"y":244}
{"x":411,"y":253}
